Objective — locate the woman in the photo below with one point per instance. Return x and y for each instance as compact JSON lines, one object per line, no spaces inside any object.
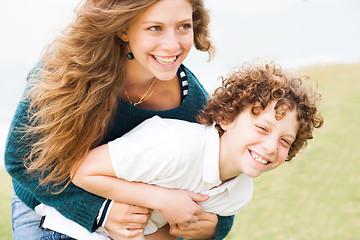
{"x":116,"y":65}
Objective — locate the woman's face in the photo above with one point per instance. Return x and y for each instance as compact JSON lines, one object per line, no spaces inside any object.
{"x":160,"y":39}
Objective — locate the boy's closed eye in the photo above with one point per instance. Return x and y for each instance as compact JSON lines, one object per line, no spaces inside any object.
{"x":287,"y":143}
{"x":262,"y":129}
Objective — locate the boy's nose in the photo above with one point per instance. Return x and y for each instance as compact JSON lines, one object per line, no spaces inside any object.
{"x":270,"y":145}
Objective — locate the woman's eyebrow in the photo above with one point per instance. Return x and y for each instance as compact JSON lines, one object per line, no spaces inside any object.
{"x":155,"y":21}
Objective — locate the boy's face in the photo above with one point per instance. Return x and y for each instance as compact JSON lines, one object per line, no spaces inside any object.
{"x":256,"y":144}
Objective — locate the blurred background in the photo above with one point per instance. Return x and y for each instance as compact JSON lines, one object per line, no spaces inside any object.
{"x":318,"y":37}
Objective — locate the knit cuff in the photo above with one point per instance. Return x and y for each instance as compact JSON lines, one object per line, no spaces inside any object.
{"x":224,"y":226}
{"x":104,"y":213}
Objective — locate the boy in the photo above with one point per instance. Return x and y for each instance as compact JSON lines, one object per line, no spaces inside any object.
{"x":258,"y":119}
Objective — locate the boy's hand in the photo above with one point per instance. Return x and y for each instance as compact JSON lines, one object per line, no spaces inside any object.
{"x":205,"y":228}
{"x":124,"y":216}
{"x":180,"y":207}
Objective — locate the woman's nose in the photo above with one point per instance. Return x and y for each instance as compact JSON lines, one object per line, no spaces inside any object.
{"x":171,"y":42}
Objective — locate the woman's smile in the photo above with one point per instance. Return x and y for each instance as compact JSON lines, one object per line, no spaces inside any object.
{"x":160,"y":42}
{"x":166,"y":60}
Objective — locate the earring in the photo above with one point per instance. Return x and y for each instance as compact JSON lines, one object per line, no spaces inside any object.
{"x":130,"y":56}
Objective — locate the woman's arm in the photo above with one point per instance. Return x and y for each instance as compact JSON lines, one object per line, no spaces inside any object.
{"x":74,"y":203}
{"x":96,"y":175}
{"x":27,"y":186}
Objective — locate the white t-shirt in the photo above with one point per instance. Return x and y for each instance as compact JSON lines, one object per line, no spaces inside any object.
{"x":174,"y":154}
{"x":178,"y":154}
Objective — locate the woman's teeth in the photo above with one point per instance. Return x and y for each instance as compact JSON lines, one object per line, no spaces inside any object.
{"x":165,"y":60}
{"x":258,"y":158}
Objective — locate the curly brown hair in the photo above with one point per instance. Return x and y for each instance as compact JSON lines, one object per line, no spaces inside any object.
{"x":256,"y":86}
{"x":82,"y":73}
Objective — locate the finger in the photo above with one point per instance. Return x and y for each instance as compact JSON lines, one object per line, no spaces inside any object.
{"x":128,"y":208}
{"x":194,"y":219}
{"x":199,"y":230}
{"x":127,"y":217}
{"x":177,"y":232}
{"x":140,"y":210}
{"x":131,"y":232}
{"x":130,"y":225}
{"x":134,"y":221}
{"x":206,"y":216}
{"x":125,"y":233}
{"x":182,"y":225}
{"x":197,"y":197}
{"x":129,"y":221}
{"x":138,"y":218}
{"x":186,"y":227}
{"x":199,"y":210}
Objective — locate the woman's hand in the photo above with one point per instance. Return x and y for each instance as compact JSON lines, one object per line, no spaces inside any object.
{"x":161,"y":234}
{"x":180,"y":207}
{"x":205,"y":228}
{"x":124,"y":216}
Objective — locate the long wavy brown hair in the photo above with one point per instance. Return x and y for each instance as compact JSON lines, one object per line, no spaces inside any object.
{"x":75,"y":95}
{"x":256,"y":86}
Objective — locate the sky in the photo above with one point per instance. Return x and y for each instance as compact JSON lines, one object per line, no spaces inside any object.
{"x":293,"y":33}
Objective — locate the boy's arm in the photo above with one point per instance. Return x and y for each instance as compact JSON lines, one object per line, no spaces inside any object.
{"x":96,"y":175}
{"x":132,"y":158}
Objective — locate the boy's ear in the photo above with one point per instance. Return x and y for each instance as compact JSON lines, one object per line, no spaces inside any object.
{"x":225,"y":125}
{"x":123,"y":36}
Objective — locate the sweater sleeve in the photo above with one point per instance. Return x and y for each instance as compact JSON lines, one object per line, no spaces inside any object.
{"x":74,"y":203}
{"x":224,"y":226}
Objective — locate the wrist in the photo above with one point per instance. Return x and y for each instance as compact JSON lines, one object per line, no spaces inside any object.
{"x":160,"y":199}
{"x":104,"y":213}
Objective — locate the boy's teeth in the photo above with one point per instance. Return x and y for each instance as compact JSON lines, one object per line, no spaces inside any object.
{"x":258,"y":158}
{"x":165,"y":60}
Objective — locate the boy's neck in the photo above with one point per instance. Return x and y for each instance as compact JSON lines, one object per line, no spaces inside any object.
{"x":226,"y":169}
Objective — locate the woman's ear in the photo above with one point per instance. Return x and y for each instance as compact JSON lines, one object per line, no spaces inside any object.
{"x":123,"y":36}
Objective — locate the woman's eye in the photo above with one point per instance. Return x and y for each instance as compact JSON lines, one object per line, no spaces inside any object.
{"x":185,"y":26}
{"x":155,"y":28}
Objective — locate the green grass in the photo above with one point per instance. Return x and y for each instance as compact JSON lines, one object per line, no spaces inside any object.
{"x":5,"y":206}
{"x":315,"y":197}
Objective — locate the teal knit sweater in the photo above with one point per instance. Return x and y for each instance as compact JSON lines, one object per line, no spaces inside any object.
{"x":75,"y":203}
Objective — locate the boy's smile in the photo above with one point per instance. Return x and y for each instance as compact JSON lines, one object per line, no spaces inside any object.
{"x":258,"y":158}
{"x":256,"y":144}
